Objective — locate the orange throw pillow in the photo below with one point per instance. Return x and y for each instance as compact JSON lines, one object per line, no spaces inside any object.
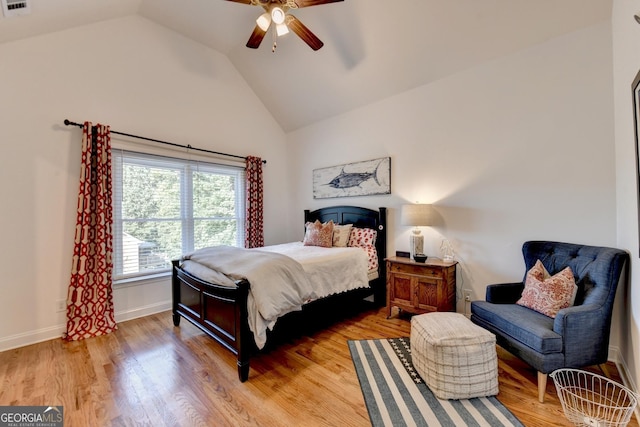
{"x":548,"y":294}
{"x":318,"y":234}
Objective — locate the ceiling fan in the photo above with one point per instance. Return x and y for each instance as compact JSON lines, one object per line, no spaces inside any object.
{"x":276,"y":14}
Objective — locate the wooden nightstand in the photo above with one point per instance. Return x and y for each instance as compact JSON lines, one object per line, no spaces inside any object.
{"x":421,"y":287}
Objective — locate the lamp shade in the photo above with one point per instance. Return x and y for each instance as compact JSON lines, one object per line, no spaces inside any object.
{"x":282,"y":29}
{"x":278,"y":15}
{"x":417,"y":215}
{"x":264,"y":21}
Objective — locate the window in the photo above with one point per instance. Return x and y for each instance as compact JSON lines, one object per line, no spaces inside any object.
{"x":165,"y":207}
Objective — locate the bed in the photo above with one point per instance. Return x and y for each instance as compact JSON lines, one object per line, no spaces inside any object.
{"x":221,"y":308}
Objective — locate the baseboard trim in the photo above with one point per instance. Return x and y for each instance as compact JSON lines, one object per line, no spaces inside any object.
{"x":627,"y":380}
{"x":54,"y":332}
{"x":143,"y":311}
{"x":31,"y":337}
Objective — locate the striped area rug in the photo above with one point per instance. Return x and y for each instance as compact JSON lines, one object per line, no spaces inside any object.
{"x":395,"y":394}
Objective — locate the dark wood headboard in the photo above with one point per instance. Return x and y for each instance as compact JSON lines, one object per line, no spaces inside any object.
{"x":361,"y":218}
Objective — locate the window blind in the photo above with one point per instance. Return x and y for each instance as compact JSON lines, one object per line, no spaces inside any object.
{"x":165,"y":207}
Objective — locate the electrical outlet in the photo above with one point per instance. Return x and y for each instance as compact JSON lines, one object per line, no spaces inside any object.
{"x":467,"y":294}
{"x":61,"y":305}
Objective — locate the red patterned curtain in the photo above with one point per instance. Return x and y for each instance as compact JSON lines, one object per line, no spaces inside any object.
{"x":90,"y":297}
{"x":254,"y":229}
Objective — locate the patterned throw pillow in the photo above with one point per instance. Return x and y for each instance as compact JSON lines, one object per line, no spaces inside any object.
{"x":318,"y":234}
{"x":341,"y":235}
{"x":372,"y":256}
{"x":548,"y":294}
{"x":537,"y":272}
{"x":362,"y":237}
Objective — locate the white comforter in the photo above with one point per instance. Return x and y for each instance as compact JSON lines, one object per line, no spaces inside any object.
{"x":282,"y":277}
{"x":330,"y":270}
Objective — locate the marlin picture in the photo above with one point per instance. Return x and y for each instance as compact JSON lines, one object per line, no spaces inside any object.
{"x":353,"y":179}
{"x":346,"y":180}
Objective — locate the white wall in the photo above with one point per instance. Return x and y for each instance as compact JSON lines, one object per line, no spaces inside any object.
{"x":626,"y":62}
{"x":140,"y":78}
{"x":515,"y":149}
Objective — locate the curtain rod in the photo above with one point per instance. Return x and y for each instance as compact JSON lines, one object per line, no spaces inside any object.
{"x":70,"y":123}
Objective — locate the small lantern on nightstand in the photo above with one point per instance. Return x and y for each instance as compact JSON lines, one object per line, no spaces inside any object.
{"x":416,"y":215}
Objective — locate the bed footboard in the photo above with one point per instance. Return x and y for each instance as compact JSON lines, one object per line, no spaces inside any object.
{"x":219,"y":311}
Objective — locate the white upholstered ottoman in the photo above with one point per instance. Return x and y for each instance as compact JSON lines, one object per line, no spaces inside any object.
{"x":454,"y":357}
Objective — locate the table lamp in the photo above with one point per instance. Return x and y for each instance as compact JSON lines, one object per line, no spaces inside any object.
{"x":416,"y":215}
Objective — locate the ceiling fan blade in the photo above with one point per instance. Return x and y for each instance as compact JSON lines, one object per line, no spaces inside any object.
{"x":303,"y":32}
{"x":307,"y":3}
{"x":241,"y":1}
{"x":256,"y":37}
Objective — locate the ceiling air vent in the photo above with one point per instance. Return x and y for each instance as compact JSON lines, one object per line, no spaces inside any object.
{"x":16,"y":7}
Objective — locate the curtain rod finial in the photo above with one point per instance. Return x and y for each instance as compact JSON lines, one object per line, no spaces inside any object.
{"x":66,"y":122}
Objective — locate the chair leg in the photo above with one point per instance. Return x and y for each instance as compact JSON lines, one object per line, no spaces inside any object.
{"x":542,"y":386}
{"x":605,"y":370}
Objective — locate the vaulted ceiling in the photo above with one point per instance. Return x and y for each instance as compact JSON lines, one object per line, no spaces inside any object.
{"x":373,"y":48}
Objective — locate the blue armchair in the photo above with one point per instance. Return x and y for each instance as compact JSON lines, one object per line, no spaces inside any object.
{"x":579,"y":335}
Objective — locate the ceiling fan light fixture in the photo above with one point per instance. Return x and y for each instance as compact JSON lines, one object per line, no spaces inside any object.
{"x":274,"y":16}
{"x":277,"y":15}
{"x":282,"y":29}
{"x":264,"y":21}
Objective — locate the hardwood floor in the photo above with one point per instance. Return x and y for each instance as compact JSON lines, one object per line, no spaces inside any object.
{"x":150,"y":373}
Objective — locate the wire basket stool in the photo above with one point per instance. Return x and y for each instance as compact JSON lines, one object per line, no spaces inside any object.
{"x":592,"y":400}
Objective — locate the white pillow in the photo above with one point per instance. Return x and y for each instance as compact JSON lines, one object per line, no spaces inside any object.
{"x":341,"y":235}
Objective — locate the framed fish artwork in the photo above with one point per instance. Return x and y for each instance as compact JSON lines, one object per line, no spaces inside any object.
{"x":364,"y":178}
